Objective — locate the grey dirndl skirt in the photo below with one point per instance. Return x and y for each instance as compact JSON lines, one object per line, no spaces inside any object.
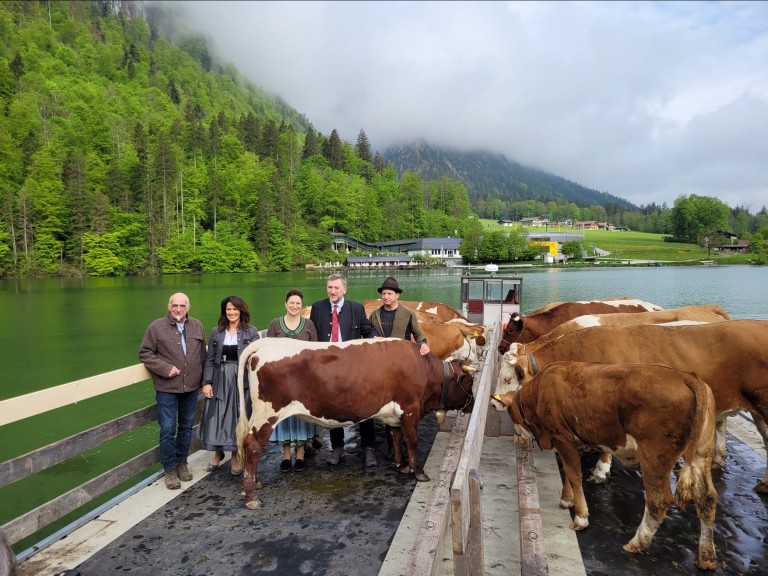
{"x":220,"y":414}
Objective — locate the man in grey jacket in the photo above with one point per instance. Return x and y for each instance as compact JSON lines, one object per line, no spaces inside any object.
{"x":173,"y":350}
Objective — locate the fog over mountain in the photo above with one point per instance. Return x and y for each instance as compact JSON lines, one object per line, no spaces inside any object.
{"x":644,"y":100}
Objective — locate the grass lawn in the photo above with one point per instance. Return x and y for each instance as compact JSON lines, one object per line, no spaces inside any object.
{"x":640,"y":246}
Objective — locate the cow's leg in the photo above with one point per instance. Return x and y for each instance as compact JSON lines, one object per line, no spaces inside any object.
{"x":658,"y":498}
{"x":253,"y":447}
{"x":718,"y":460}
{"x":602,"y":468}
{"x":571,"y":460}
{"x":409,"y":427}
{"x":699,"y":476}
{"x":397,"y":451}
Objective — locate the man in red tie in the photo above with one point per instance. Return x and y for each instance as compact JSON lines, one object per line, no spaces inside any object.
{"x":340,"y":320}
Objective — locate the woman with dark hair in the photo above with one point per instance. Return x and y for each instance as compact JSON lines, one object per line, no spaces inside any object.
{"x":228,"y":339}
{"x":293,"y":430}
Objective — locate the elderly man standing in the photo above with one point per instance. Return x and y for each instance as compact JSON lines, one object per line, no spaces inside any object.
{"x":173,"y":350}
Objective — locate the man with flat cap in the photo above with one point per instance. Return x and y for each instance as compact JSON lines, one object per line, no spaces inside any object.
{"x":395,"y":320}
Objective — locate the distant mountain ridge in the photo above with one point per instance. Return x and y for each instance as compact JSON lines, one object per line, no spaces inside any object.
{"x":489,"y":176}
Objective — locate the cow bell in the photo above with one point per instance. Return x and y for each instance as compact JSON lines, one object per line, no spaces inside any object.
{"x":440,"y":416}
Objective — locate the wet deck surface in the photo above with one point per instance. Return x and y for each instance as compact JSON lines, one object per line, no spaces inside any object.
{"x":741,"y":523}
{"x":341,"y":521}
{"x":323,"y":521}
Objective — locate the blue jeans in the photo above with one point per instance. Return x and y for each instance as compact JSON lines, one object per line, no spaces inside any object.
{"x":174,"y":442}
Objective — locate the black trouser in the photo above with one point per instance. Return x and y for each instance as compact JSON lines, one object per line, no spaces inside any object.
{"x":367,"y":435}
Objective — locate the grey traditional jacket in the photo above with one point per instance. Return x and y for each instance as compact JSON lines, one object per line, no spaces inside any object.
{"x":215,"y":348}
{"x":161,"y":349}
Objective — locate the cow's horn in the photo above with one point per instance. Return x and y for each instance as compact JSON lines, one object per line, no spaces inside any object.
{"x":468,"y":368}
{"x":440,"y":416}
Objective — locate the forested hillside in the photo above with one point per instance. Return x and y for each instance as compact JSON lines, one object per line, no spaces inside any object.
{"x":493,"y":177}
{"x":124,"y":153}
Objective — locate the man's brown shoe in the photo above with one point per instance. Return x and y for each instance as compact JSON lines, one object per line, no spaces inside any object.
{"x":172,"y":479}
{"x":182,"y":471}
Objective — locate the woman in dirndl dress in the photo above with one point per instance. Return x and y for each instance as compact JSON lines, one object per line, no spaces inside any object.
{"x":293,"y":430}
{"x":228,"y":340}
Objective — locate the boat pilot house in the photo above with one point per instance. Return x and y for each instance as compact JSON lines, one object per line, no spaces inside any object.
{"x":486,"y":298}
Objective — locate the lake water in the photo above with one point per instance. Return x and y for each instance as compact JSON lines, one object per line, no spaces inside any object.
{"x":60,"y":330}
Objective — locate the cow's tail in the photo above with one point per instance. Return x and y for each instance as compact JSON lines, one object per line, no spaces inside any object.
{"x":698,"y":454}
{"x":242,"y":420}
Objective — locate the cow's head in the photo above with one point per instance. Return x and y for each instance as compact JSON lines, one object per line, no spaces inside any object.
{"x":509,"y":401}
{"x":457,"y":389}
{"x":512,"y":331}
{"x":523,"y":417}
{"x":513,"y":373}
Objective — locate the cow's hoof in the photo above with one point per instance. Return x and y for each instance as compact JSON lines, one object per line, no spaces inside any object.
{"x":579,"y":523}
{"x":421,"y":477}
{"x":253,"y":504}
{"x":706,"y":565}
{"x":632,"y":547}
{"x":566,"y":504}
{"x":258,"y":486}
{"x":596,"y":479}
{"x":761,"y":488}
{"x":404,"y":469}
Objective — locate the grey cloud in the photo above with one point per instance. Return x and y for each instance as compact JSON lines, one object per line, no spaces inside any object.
{"x":644,"y":100}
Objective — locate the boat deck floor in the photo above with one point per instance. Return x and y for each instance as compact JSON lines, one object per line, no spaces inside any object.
{"x":348,"y":520}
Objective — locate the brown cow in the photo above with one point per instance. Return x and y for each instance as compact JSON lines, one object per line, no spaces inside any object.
{"x":524,"y":329}
{"x":702,"y":314}
{"x":645,"y":413}
{"x":729,"y":356}
{"x":332,"y":384}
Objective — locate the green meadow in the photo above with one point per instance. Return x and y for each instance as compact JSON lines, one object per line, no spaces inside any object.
{"x":625,"y":246}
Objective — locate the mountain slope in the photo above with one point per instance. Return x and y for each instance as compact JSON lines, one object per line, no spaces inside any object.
{"x":489,"y":176}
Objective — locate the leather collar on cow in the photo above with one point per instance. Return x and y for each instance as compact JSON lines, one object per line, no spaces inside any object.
{"x":526,"y":422}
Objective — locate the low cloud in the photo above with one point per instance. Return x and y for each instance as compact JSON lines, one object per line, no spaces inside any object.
{"x":645,"y":100}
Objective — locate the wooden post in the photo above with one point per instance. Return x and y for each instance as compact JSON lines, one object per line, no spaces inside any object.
{"x":533,"y":558}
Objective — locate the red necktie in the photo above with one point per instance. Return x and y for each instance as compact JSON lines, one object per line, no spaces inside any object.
{"x":335,"y":324}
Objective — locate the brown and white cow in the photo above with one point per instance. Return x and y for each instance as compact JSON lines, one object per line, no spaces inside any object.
{"x":444,"y":311}
{"x":729,"y":356}
{"x":697,"y":314}
{"x":646,"y":414}
{"x":523,"y":329}
{"x":337,"y":384}
{"x":449,"y":342}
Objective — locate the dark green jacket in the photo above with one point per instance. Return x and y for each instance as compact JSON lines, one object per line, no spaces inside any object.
{"x":403,"y":317}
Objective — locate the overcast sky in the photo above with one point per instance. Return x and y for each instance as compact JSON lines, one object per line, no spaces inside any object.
{"x":644,"y":100}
